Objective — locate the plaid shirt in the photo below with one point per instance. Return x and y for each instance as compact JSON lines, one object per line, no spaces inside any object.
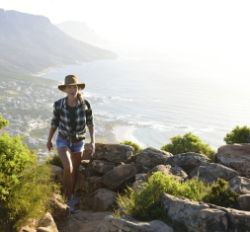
{"x":61,"y":118}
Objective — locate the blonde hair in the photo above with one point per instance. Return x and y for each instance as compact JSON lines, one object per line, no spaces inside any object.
{"x":79,"y":95}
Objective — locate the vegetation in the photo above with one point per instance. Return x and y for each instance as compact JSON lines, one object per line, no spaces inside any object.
{"x":238,"y":135}
{"x":54,"y":160}
{"x":137,"y":148}
{"x":145,"y":204}
{"x":188,"y":143}
{"x":25,"y":186}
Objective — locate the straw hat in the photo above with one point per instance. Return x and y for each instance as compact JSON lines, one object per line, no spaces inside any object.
{"x":71,"y":80}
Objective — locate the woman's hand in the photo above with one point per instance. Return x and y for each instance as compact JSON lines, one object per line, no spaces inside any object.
{"x":49,"y":145}
{"x":92,"y":148}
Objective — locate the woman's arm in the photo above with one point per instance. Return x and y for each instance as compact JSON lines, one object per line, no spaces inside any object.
{"x":92,"y":139}
{"x":49,"y":142}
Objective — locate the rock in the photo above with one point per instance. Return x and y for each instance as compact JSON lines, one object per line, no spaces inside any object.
{"x":139,"y":180}
{"x":27,"y":229}
{"x":82,"y":221}
{"x":80,"y":187}
{"x":210,"y":172}
{"x":129,"y":224}
{"x":167,"y":170}
{"x":93,"y":183}
{"x":236,"y":156}
{"x":238,"y":220}
{"x":47,"y":224}
{"x":151,"y":157}
{"x":244,"y":202}
{"x":119,"y":175}
{"x":115,"y":153}
{"x":102,"y":166}
{"x":197,"y":216}
{"x":187,"y":161}
{"x":58,"y":208}
{"x":102,"y":199}
{"x":240,"y":185}
{"x":58,"y":173}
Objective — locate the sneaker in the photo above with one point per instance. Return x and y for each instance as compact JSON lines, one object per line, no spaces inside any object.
{"x":70,"y":204}
{"x":75,"y":200}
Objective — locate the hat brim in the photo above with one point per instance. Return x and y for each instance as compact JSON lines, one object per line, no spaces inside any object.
{"x":80,"y":87}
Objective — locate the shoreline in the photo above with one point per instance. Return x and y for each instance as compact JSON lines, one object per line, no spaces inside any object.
{"x":125,"y":133}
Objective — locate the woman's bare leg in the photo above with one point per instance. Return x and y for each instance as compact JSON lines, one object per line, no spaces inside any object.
{"x":76,"y":161}
{"x":65,"y":157}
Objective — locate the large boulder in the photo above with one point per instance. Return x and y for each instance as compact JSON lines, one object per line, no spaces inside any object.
{"x":210,"y":172}
{"x":240,"y":185}
{"x":47,"y":224}
{"x":129,"y":224}
{"x":177,"y":172}
{"x":102,"y":199}
{"x":119,"y":175}
{"x":197,"y":216}
{"x":236,"y":156}
{"x":238,"y":220}
{"x":102,"y":166}
{"x":58,"y":208}
{"x":244,"y":202}
{"x":93,"y":183}
{"x":115,"y":153}
{"x":151,"y":157}
{"x":187,"y":161}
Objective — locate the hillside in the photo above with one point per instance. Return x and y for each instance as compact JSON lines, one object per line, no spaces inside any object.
{"x":31,"y":44}
{"x":82,"y":32}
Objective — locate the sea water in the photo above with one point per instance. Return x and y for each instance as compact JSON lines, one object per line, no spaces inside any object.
{"x":161,"y":93}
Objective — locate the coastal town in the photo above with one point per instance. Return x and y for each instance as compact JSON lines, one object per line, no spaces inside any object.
{"x":28,"y":108}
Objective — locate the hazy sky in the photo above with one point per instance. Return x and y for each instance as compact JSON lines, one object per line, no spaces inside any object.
{"x":212,"y":27}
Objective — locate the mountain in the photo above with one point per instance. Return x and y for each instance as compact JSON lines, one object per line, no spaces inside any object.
{"x":82,"y":32}
{"x":31,"y":44}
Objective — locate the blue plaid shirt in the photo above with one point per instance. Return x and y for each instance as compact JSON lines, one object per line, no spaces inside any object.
{"x":61,"y":118}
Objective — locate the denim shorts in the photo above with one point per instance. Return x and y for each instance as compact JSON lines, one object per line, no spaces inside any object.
{"x":74,"y":148}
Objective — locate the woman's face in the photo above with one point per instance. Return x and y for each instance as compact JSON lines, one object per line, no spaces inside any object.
{"x":71,"y":91}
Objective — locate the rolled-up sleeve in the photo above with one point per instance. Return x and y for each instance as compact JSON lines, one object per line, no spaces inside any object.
{"x":55,"y":116}
{"x":89,"y":115}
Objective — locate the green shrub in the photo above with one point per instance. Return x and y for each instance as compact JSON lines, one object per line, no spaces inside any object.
{"x":137,"y":148}
{"x":3,"y":122}
{"x":188,"y":143}
{"x":237,"y":135}
{"x":54,"y":160}
{"x":145,"y":204}
{"x":221,"y":194}
{"x":14,"y":159}
{"x":28,"y":198}
{"x":24,"y":186}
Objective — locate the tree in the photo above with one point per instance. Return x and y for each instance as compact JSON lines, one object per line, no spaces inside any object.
{"x":188,"y":143}
{"x":237,"y":135}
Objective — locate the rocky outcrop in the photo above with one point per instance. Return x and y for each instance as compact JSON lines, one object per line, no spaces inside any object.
{"x":177,"y":172}
{"x":115,"y":153}
{"x":151,"y":157}
{"x":187,"y":161}
{"x":103,"y":177}
{"x":236,"y":156}
{"x":129,"y":224}
{"x":210,"y":172}
{"x":240,"y":185}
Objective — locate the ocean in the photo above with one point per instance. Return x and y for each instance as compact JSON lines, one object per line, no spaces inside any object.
{"x":156,"y":94}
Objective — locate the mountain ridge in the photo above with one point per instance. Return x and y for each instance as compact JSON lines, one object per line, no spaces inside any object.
{"x":30,"y":44}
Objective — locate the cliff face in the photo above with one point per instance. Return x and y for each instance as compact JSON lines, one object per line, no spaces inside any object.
{"x":30,"y":43}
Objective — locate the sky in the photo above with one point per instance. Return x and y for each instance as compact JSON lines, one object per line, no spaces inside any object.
{"x":217,"y":28}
